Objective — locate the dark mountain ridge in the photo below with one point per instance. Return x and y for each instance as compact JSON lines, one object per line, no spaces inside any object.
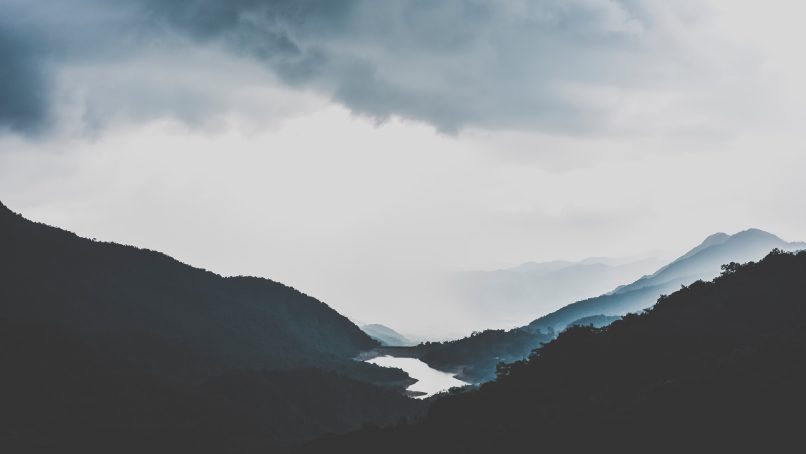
{"x":108,"y":291}
{"x":111,"y":348}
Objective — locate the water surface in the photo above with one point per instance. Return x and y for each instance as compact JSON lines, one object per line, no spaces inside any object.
{"x":429,"y":380}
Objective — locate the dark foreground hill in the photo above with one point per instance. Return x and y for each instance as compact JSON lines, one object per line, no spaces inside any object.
{"x":59,"y":396}
{"x":476,"y":357}
{"x":715,"y":367}
{"x":108,"y":346}
{"x":160,"y":315}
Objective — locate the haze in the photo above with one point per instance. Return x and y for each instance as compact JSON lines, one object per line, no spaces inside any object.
{"x":277,"y":142}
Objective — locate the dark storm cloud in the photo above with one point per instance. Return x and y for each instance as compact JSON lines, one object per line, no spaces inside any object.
{"x":23,"y":85}
{"x":452,"y":63}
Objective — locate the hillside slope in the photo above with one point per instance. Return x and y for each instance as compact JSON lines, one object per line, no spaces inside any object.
{"x":59,"y":396}
{"x":107,"y":348}
{"x":702,"y":262}
{"x":716,"y":366}
{"x":136,"y":303}
{"x":478,"y":360}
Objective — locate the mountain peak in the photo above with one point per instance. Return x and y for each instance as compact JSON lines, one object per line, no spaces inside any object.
{"x":715,"y":238}
{"x":711,"y":240}
{"x":751,"y":234}
{"x":755,"y":233}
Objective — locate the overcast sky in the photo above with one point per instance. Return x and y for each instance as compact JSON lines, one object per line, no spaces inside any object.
{"x":357,"y":149}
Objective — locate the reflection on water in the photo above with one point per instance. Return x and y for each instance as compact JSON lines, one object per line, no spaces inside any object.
{"x":429,"y":381}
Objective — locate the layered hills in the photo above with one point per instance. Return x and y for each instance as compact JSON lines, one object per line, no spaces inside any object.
{"x":476,"y":357}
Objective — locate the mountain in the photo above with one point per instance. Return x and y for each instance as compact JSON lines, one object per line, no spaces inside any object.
{"x":101,"y":337}
{"x":511,"y":297}
{"x":111,"y":294}
{"x":714,"y":367}
{"x":60,"y":396}
{"x":702,"y":262}
{"x":385,"y":335}
{"x":477,"y":361}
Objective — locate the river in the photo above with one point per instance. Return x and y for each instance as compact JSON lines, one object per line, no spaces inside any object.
{"x":429,"y":381}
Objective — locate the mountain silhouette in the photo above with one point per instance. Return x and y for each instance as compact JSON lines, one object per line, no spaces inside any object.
{"x":714,"y":367}
{"x":475,"y":357}
{"x":98,"y":338}
{"x":112,"y":294}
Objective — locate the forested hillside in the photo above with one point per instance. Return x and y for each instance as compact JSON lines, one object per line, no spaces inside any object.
{"x":104,"y":345}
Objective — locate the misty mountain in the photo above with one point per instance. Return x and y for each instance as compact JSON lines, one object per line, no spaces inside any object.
{"x":385,"y":335}
{"x":714,"y":367}
{"x":477,"y":361}
{"x":700,"y":263}
{"x":102,"y":337}
{"x":511,"y":297}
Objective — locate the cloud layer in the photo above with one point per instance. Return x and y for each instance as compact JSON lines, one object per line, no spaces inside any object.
{"x":23,"y":103}
{"x":552,"y":65}
{"x":586,"y":127}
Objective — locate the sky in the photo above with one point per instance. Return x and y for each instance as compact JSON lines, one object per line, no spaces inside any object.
{"x":358,"y":150}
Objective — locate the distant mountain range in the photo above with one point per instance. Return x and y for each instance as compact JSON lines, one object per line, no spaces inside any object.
{"x":511,"y":297}
{"x":95,"y":327}
{"x":385,"y":335}
{"x":714,"y":367}
{"x":475,"y":357}
{"x":700,"y":263}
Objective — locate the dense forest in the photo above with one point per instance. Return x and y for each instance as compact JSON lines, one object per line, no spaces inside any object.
{"x":716,"y":366}
{"x":107,"y":346}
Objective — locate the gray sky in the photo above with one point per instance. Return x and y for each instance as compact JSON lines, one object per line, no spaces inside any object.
{"x":358,"y":149}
